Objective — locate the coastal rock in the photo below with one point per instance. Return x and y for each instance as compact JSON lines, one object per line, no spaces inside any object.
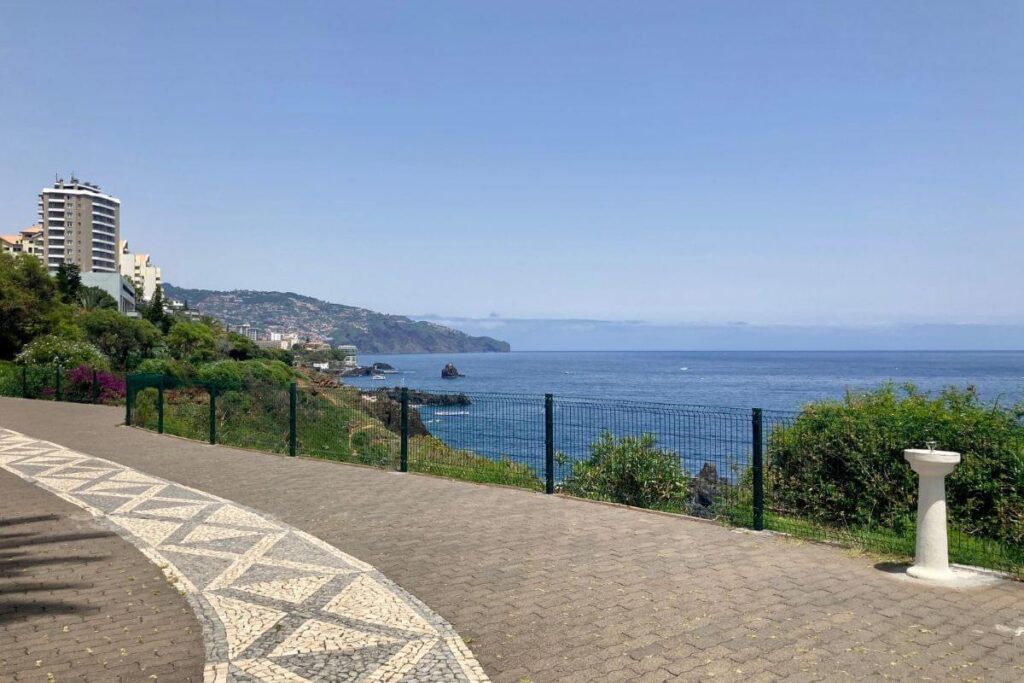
{"x":425,"y":398}
{"x":705,"y":490}
{"x":375,"y":369}
{"x":389,"y":412}
{"x":450,"y":372}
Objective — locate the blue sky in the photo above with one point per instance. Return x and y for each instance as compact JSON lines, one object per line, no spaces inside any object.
{"x":783,"y":162}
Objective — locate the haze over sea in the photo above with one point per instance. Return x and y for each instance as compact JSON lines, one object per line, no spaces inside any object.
{"x":775,"y":380}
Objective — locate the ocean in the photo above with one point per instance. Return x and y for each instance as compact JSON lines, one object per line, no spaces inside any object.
{"x":505,"y":419}
{"x":741,"y":379}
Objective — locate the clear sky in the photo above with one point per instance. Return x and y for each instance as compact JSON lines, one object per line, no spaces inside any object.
{"x":769,"y":162}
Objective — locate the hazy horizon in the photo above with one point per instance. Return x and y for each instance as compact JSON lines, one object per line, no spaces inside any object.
{"x":790,"y":165}
{"x":611,"y":335}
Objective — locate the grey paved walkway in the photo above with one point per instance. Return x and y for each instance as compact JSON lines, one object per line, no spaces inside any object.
{"x":551,"y":589}
{"x":276,"y":604}
{"x":78,"y":603}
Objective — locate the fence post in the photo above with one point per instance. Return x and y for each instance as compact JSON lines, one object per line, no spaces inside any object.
{"x":758,"y":441}
{"x":24,"y":381}
{"x":95,"y":386}
{"x":292,"y":400}
{"x":160,"y":406}
{"x":128,"y":400}
{"x":213,"y":413}
{"x":56,"y":391}
{"x":403,"y":464}
{"x":549,"y":443}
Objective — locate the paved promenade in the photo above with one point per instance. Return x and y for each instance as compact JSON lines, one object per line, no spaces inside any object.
{"x":275,"y":603}
{"x":544,"y":588}
{"x":78,"y":603}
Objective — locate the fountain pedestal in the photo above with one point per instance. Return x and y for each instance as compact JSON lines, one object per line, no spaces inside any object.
{"x":931,"y":560}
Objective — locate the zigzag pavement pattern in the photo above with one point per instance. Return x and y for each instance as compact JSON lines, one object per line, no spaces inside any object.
{"x":275,"y":603}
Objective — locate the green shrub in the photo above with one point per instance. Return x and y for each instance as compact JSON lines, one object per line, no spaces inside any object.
{"x":233,"y":375}
{"x":630,"y":470}
{"x":10,"y":379}
{"x":271,"y":370}
{"x":194,"y":342}
{"x":226,"y":374}
{"x":841,"y":462}
{"x":63,"y":353}
{"x":124,"y":340}
{"x":170,"y":367}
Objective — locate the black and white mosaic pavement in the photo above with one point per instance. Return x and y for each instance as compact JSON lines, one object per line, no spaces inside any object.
{"x":276,"y":604}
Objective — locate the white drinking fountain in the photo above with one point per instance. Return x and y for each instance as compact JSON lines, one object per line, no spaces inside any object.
{"x":931,"y":561}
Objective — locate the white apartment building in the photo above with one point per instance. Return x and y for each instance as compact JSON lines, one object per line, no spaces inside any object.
{"x":28,"y":241}
{"x":80,"y":225}
{"x":351,"y":355}
{"x":140,"y":270}
{"x":117,"y":286}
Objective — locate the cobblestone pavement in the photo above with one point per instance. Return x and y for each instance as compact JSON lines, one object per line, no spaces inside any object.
{"x":276,"y":604}
{"x":79,"y":603}
{"x":546,"y":588}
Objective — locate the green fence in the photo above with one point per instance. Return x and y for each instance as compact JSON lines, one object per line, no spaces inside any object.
{"x":735,"y":465}
{"x":82,"y":384}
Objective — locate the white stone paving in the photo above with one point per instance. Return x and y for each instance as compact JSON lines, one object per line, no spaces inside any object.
{"x":267,"y":614}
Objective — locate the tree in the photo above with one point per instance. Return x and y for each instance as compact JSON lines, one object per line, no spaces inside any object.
{"x":69,"y":281}
{"x":124,"y":340}
{"x":30,"y":305}
{"x":92,"y":298}
{"x":154,"y":311}
{"x":239,"y":347}
{"x":193,"y":342}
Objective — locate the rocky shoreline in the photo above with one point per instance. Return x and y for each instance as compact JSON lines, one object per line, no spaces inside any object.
{"x":375,"y":369}
{"x":419,"y":397}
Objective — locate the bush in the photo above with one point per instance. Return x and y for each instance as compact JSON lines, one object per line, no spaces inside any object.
{"x":62,"y":353}
{"x":193,"y":342}
{"x":124,"y":340}
{"x":111,"y":388}
{"x":226,"y":374}
{"x":238,"y":347}
{"x":166,"y":366}
{"x":231,"y":375}
{"x":841,"y":463}
{"x":630,"y":470}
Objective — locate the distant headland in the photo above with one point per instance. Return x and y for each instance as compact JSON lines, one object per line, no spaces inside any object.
{"x":311,"y":318}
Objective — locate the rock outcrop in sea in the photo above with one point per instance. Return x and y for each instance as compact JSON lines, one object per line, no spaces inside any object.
{"x":450,"y":372}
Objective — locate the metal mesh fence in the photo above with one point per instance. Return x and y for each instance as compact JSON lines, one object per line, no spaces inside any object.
{"x":488,"y":437}
{"x":82,"y":384}
{"x":712,"y":448}
{"x":815,"y":474}
{"x":843,"y":478}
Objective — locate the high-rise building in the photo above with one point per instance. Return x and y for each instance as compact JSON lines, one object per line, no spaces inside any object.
{"x":81,"y":225}
{"x":142,"y":272}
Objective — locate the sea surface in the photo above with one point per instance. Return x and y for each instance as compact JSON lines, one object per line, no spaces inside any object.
{"x":506,"y":416}
{"x":743,"y":379}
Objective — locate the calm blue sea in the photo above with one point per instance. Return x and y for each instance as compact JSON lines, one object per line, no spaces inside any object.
{"x":742,"y":379}
{"x":508,"y":428}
